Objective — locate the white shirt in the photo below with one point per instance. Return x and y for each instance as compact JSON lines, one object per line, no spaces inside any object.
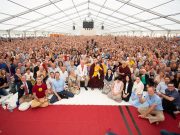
{"x":138,"y":87}
{"x":52,"y":70}
{"x":49,"y":82}
{"x":118,"y":87}
{"x":81,"y":72}
{"x":64,"y":75}
{"x":58,"y":69}
{"x":29,"y":76}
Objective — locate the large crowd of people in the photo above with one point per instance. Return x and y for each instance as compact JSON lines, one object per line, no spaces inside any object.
{"x":121,"y":67}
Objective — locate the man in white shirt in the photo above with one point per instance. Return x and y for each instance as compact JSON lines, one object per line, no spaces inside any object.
{"x":49,"y":82}
{"x":162,"y":86}
{"x":52,"y":68}
{"x":82,"y":74}
{"x":64,"y":74}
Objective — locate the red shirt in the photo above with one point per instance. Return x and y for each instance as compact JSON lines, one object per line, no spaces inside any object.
{"x":40,"y":90}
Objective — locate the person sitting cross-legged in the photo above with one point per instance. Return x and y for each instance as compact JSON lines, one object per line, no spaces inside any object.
{"x":73,"y":83}
{"x":137,"y":92}
{"x":108,"y":81}
{"x":40,"y":94}
{"x":154,"y":112}
{"x":171,"y":100}
{"x":162,"y":86}
{"x":24,"y":90}
{"x":116,"y":90}
{"x":58,"y":86}
{"x":96,"y":75}
{"x":128,"y":84}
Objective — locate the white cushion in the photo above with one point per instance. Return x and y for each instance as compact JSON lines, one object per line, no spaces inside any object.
{"x":24,"y":106}
{"x":12,"y":105}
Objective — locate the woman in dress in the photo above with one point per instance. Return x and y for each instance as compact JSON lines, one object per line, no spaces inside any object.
{"x":73,"y":83}
{"x":128,"y":84}
{"x":116,"y":90}
{"x":108,"y":81}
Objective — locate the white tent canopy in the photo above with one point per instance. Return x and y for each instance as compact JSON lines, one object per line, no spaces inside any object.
{"x":134,"y":17}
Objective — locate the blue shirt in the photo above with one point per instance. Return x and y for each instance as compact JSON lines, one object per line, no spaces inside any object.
{"x":58,"y":85}
{"x":175,"y":95}
{"x":154,"y":100}
{"x":4,"y":66}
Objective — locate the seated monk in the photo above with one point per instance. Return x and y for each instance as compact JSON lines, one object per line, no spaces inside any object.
{"x":96,"y":81}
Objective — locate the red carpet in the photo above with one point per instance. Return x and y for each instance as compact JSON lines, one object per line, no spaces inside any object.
{"x":146,"y":129}
{"x":77,"y":120}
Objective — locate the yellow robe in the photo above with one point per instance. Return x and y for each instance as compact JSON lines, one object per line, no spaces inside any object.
{"x":96,"y":70}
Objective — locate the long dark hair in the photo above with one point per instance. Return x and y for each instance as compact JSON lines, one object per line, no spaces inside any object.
{"x":111,"y":76}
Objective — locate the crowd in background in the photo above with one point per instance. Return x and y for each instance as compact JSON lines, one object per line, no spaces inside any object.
{"x":121,"y":67}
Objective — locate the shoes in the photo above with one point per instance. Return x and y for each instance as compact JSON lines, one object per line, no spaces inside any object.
{"x":173,"y":115}
{"x":176,"y":112}
{"x":17,"y":103}
{"x":86,"y":88}
{"x":78,"y":92}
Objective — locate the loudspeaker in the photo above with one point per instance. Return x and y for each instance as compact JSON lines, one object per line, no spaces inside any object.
{"x":88,"y":24}
{"x":102,"y":27}
{"x":74,"y":27}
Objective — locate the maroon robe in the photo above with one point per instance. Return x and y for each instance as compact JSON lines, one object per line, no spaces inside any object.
{"x":95,"y":82}
{"x":126,"y":72}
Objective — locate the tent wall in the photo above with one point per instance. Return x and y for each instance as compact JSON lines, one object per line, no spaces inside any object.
{"x":147,"y":33}
{"x":23,"y":34}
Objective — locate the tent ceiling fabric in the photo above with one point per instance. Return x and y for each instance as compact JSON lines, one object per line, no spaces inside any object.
{"x":115,"y":15}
